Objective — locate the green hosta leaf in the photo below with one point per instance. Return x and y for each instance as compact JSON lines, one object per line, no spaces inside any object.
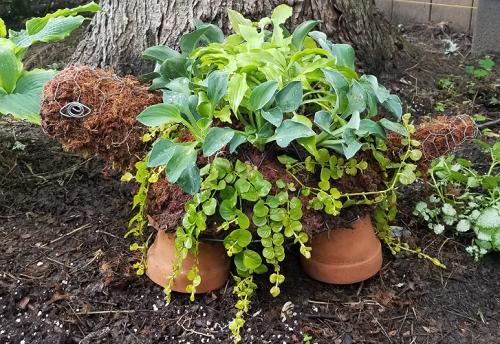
{"x":393,"y":126}
{"x":36,"y":24}
{"x":204,"y":108}
{"x":289,"y":131}
{"x":236,"y":90}
{"x":393,"y":104}
{"x":24,"y":102}
{"x":300,"y":33}
{"x":175,"y":67}
{"x":223,"y":114}
{"x":189,"y":42}
{"x":273,"y":116}
{"x":159,"y":114}
{"x":351,"y":146}
{"x":262,"y":94}
{"x":184,"y":157}
{"x":55,"y":28}
{"x":204,"y":123}
{"x":180,"y":85}
{"x":357,"y":99}
{"x":189,"y":180}
{"x":372,"y":128}
{"x":253,"y":38}
{"x":213,"y":35}
{"x":236,"y":19}
{"x":217,"y":86}
{"x":251,"y":259}
{"x":380,"y":91}
{"x":10,"y":66}
{"x":343,"y":54}
{"x":339,"y":84}
{"x":161,"y":153}
{"x":3,"y":30}
{"x":290,"y":97}
{"x":216,"y":139}
{"x":158,"y":83}
{"x":323,"y":119}
{"x":279,"y":16}
{"x":179,"y":100}
{"x":236,"y":141}
{"x":160,"y":53}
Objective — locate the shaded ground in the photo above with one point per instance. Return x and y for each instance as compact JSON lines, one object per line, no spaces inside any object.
{"x":66,"y":272}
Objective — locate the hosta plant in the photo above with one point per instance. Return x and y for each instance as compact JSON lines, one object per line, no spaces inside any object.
{"x":21,"y":91}
{"x":261,"y":89}
{"x":464,"y":200}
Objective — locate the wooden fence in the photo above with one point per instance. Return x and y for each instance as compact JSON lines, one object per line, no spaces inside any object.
{"x":460,"y":14}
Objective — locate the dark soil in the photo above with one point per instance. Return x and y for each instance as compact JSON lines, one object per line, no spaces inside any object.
{"x":67,"y":276}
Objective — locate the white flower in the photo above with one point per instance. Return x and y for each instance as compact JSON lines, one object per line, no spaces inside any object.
{"x":438,"y":229}
{"x":448,"y":210}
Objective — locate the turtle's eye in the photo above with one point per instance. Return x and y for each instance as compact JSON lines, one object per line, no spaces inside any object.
{"x":75,"y":110}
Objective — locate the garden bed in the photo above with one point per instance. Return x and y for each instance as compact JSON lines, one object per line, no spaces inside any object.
{"x":66,"y":273}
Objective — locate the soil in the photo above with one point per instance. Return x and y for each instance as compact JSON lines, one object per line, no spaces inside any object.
{"x":67,"y":276}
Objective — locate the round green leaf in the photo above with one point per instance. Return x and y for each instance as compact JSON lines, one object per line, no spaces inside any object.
{"x":242,"y":236}
{"x":264,"y":231}
{"x":210,"y":206}
{"x":251,"y":259}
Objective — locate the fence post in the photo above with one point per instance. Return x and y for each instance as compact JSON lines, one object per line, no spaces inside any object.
{"x":487,"y":28}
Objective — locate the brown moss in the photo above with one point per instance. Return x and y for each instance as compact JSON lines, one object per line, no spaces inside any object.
{"x":109,"y":129}
{"x":439,"y":136}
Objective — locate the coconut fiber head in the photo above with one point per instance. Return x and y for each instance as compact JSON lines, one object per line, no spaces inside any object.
{"x":91,"y":111}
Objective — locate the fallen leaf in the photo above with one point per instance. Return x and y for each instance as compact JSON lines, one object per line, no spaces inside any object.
{"x":430,"y":329}
{"x":58,"y":297}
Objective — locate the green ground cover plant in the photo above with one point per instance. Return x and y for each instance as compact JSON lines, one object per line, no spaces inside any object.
{"x":465,"y":200}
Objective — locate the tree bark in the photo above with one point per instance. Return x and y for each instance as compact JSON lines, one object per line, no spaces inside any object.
{"x":118,"y":37}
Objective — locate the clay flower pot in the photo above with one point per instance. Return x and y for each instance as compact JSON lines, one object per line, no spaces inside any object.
{"x":344,"y":255}
{"x":214,"y":264}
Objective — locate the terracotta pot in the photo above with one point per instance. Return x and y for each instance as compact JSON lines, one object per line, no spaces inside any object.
{"x":214,"y":264}
{"x":343,"y":255}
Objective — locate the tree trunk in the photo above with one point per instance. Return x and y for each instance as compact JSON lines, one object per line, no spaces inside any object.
{"x":118,"y":36}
